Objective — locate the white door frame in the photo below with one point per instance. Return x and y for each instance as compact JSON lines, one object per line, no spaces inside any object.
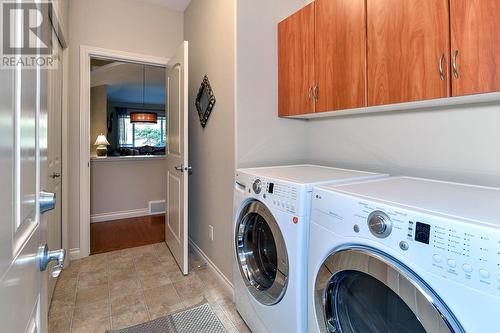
{"x":65,"y":155}
{"x":87,"y":52}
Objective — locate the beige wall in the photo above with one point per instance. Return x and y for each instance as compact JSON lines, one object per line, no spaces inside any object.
{"x":61,"y":8}
{"x":262,"y":137}
{"x":209,"y":28}
{"x":98,"y":115}
{"x":455,"y":143}
{"x":125,"y":185}
{"x":125,"y":25}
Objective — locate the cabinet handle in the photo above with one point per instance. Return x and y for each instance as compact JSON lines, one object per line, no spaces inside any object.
{"x":315,"y":93}
{"x":454,"y":64}
{"x":441,"y":73}
{"x":311,"y":93}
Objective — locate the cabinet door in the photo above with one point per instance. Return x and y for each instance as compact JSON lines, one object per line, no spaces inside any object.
{"x":407,"y":41}
{"x":340,"y":54}
{"x":475,"y":36}
{"x":296,"y":62}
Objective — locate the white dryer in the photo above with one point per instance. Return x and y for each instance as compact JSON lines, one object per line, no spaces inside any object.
{"x":271,"y":210}
{"x":404,"y":255}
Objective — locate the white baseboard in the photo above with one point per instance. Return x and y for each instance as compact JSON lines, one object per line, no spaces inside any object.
{"x":74,"y":254}
{"x":125,"y":214}
{"x":228,"y":285}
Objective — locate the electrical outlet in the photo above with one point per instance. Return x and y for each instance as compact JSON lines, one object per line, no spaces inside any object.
{"x":211,"y":232}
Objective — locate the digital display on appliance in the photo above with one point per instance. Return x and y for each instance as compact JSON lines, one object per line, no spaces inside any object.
{"x":270,"y":188}
{"x":422,"y":233}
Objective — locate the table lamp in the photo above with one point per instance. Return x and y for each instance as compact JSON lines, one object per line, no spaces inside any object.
{"x":102,"y":143}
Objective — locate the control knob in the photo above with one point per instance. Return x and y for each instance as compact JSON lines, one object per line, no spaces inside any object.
{"x":257,"y":186}
{"x":380,"y":224}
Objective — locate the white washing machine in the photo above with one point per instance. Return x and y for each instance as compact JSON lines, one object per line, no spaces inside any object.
{"x":404,"y":255}
{"x":271,"y":210}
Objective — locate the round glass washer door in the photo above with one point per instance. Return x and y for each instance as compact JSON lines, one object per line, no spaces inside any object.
{"x":360,"y":290}
{"x":261,"y":253}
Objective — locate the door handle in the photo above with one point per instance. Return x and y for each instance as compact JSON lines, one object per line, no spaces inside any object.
{"x":55,"y":175}
{"x":45,"y":256}
{"x":182,"y":168}
{"x":454,"y":64}
{"x":441,"y":72}
{"x":315,"y":93}
{"x":47,"y":201}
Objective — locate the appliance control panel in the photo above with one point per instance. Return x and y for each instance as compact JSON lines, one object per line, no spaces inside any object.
{"x":465,"y":252}
{"x":276,"y":194}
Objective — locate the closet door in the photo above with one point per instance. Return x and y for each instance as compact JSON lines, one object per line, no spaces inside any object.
{"x":296,"y":63}
{"x":340,"y":59}
{"x":408,"y":50}
{"x":475,"y":39}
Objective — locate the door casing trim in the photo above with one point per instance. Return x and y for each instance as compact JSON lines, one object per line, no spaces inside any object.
{"x":86,"y":53}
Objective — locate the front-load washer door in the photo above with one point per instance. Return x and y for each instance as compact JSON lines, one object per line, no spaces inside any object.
{"x":261,"y":253}
{"x":362,"y":290}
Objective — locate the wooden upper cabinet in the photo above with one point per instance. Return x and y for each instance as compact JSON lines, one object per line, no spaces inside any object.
{"x":296,"y":63}
{"x":475,"y":44}
{"x":340,"y":54}
{"x":407,"y":40}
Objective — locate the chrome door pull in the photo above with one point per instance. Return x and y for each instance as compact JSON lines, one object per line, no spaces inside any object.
{"x":45,"y":256}
{"x":454,"y":64}
{"x":441,"y":73}
{"x":55,"y":175}
{"x":182,"y":168}
{"x":47,"y":201}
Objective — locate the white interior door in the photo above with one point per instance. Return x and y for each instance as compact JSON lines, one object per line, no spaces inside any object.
{"x":22,"y":116}
{"x":176,"y":216}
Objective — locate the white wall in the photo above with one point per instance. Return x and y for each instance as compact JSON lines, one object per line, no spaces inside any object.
{"x":123,"y":185}
{"x":209,"y":28}
{"x":262,"y":137}
{"x":125,"y":25}
{"x":455,"y":143}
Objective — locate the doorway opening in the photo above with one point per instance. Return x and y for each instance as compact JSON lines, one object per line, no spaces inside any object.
{"x":127,"y":154}
{"x":176,"y":166}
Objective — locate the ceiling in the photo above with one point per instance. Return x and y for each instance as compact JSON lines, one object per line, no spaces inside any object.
{"x":178,"y":5}
{"x":124,"y":81}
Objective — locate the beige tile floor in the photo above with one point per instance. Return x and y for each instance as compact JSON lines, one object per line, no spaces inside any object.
{"x":127,"y":287}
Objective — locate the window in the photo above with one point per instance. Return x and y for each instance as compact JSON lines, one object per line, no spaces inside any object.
{"x":139,"y":135}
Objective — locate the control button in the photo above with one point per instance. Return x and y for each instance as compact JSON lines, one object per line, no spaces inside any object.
{"x":257,"y":186}
{"x":467,"y":268}
{"x":380,"y":224}
{"x":404,"y":246}
{"x":452,"y":263}
{"x":484,"y":273}
{"x":436,"y":258}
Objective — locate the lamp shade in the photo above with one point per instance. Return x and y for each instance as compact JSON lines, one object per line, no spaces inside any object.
{"x":143,"y":117}
{"x":101,"y":141}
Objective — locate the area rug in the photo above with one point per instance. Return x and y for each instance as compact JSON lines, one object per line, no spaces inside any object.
{"x":200,"y":319}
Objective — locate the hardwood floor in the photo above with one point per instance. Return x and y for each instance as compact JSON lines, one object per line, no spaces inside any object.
{"x":126,"y":233}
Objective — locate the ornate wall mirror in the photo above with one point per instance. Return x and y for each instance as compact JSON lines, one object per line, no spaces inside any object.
{"x":205,"y":101}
